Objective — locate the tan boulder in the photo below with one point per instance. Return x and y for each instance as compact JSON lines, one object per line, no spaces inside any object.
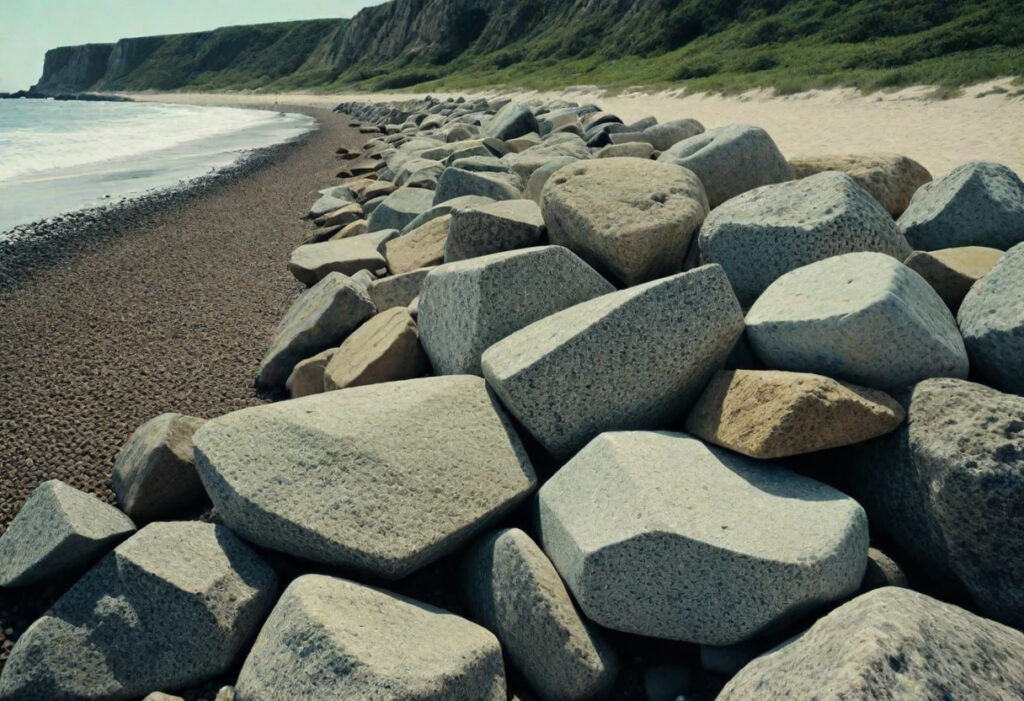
{"x":952,"y":271}
{"x":890,"y":178}
{"x":384,"y":349}
{"x":420,"y":248}
{"x":308,"y":376}
{"x":356,"y":228}
{"x":774,"y":414}
{"x":341,"y":216}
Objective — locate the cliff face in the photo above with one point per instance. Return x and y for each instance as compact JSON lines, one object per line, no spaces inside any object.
{"x":71,"y":68}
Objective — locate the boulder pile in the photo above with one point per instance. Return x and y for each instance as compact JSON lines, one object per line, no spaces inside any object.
{"x":572,"y":409}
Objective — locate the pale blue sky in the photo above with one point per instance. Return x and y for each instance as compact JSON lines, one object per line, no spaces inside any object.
{"x":29,"y":27}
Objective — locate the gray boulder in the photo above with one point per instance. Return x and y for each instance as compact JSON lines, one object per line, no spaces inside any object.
{"x":321,"y":317}
{"x":439,"y":210}
{"x":665,"y":135}
{"x":408,"y":471}
{"x":861,"y":317}
{"x":330,"y":638}
{"x":493,"y":228}
{"x":513,"y":120}
{"x":762,"y":234}
{"x":58,"y":531}
{"x":637,"y":358}
{"x":539,"y":177}
{"x":171,"y":607}
{"x":314,"y":261}
{"x":456,"y":182}
{"x":400,"y":207}
{"x":329,"y":202}
{"x":658,"y":534}
{"x":976,"y":204}
{"x":633,"y":149}
{"x":396,"y":290}
{"x":891,"y":643}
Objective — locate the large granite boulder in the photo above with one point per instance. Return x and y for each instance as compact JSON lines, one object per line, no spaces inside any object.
{"x":991,"y":320}
{"x":513,"y":120}
{"x":667,"y":134}
{"x":330,"y":638}
{"x":171,"y":607}
{"x":420,"y":248}
{"x":468,"y":306}
{"x":511,"y":588}
{"x":313,"y":262}
{"x":456,"y":182}
{"x":397,"y":290}
{"x":888,"y":177}
{"x":407,"y":471}
{"x":630,"y":218}
{"x":860,"y":317}
{"x":539,"y":177}
{"x":976,"y":204}
{"x":321,"y":317}
{"x":400,"y":207}
{"x":953,"y":271}
{"x":730,"y":160}
{"x":761,"y":235}
{"x":58,"y":532}
{"x":384,"y":349}
{"x":637,"y":358}
{"x":657,"y":534}
{"x":155,"y":472}
{"x":493,"y":228}
{"x":891,"y":643}
{"x":947,"y":488}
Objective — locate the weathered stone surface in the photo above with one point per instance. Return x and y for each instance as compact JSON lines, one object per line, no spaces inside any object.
{"x":539,"y":177}
{"x":891,"y":643}
{"x":953,"y":271}
{"x":58,"y":531}
{"x":493,"y":228}
{"x":772,"y":414}
{"x":320,"y":318}
{"x":330,"y":638}
{"x":384,"y":349}
{"x":512,"y":589}
{"x":525,"y":164}
{"x":308,"y":376}
{"x":342,"y":216}
{"x":456,"y":182}
{"x":521,"y":143}
{"x":947,"y":488}
{"x":665,"y":135}
{"x":513,"y":120}
{"x":439,"y":210}
{"x":314,"y":261}
{"x":762,"y":234}
{"x":629,"y":218}
{"x":329,"y":202}
{"x":169,"y":608}
{"x":356,"y":228}
{"x":155,"y":473}
{"x":408,"y":471}
{"x":397,"y":290}
{"x":657,"y":534}
{"x":637,"y":358}
{"x":730,"y":160}
{"x":468,"y":306}
{"x":423,"y":247}
{"x":991,"y":319}
{"x":860,"y":317}
{"x":634,"y":149}
{"x":888,"y":177}
{"x":400,"y":207}
{"x":976,"y":204}
{"x":882,"y":571}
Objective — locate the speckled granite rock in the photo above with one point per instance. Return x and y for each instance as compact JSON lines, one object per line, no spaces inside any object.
{"x":976,"y":204}
{"x":58,"y":531}
{"x":397,"y":290}
{"x":882,"y":571}
{"x":891,"y":643}
{"x":762,"y":234}
{"x":860,"y":317}
{"x":154,"y":474}
{"x":330,"y":638}
{"x":658,"y":534}
{"x":513,"y":120}
{"x":630,"y":218}
{"x":308,"y":376}
{"x":947,"y":488}
{"x":407,"y":470}
{"x":512,"y":588}
{"x":634,"y":149}
{"x":171,"y":607}
{"x":314,"y":261}
{"x":637,"y":358}
{"x":456,"y":182}
{"x":423,"y":247}
{"x":400,"y":207}
{"x":384,"y":349}
{"x":467,"y":306}
{"x":540,"y":176}
{"x":953,"y":271}
{"x":665,"y":135}
{"x":991,"y":320}
{"x":888,"y":177}
{"x":493,"y":228}
{"x":320,"y":318}
{"x":773,"y":414}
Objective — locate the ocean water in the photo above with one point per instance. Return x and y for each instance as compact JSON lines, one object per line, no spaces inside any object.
{"x":61,"y":156}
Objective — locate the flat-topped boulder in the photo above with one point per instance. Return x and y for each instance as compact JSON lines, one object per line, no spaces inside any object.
{"x":407,"y":470}
{"x":883,"y":326}
{"x":513,"y":120}
{"x":890,"y":178}
{"x":312,"y":262}
{"x":315,"y":645}
{"x":456,"y":182}
{"x":637,"y":358}
{"x":384,"y":349}
{"x":657,"y":534}
{"x":493,"y":228}
{"x":667,"y":134}
{"x":400,"y":207}
{"x":953,"y":271}
{"x":422,"y":247}
{"x":397,"y":290}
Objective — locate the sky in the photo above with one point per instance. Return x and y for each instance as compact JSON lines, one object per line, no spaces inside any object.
{"x":29,"y":27}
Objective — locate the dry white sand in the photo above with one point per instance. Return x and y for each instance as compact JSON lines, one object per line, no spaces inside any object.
{"x":940,"y":134}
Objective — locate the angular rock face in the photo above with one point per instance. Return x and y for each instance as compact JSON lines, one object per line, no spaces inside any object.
{"x":397,"y":290}
{"x":58,"y":531}
{"x":772,"y":414}
{"x":991,"y":319}
{"x":407,"y":472}
{"x":468,"y":306}
{"x":629,"y":218}
{"x":539,"y":177}
{"x":512,"y":588}
{"x":953,"y":271}
{"x":456,"y":182}
{"x":760,"y":235}
{"x":308,"y":376}
{"x":657,"y":534}
{"x":329,"y":638}
{"x":493,"y":228}
{"x":888,"y":644}
{"x":171,"y":607}
{"x":315,"y":261}
{"x":155,"y":471}
{"x":665,"y":135}
{"x":422,"y":247}
{"x":947,"y":488}
{"x":861,"y":317}
{"x":384,"y":349}
{"x":976,"y":204}
{"x":730,"y":160}
{"x":637,"y":358}
{"x":888,"y":177}
{"x":320,"y":318}
{"x":513,"y":120}
{"x":400,"y":207}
